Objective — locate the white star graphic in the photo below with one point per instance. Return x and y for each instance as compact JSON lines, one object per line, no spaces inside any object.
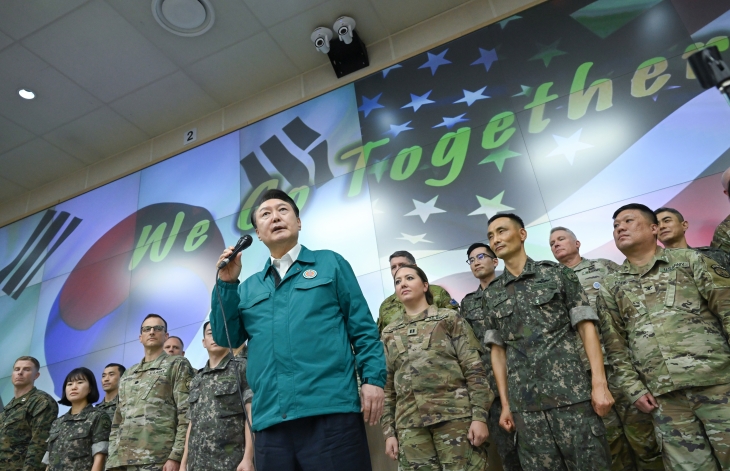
{"x":419,"y":101}
{"x":424,"y":210}
{"x":374,"y":208}
{"x":569,"y":146}
{"x":490,"y":207}
{"x":471,"y":97}
{"x":414,"y":239}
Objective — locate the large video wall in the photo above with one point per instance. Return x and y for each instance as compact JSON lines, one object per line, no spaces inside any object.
{"x":560,"y":114}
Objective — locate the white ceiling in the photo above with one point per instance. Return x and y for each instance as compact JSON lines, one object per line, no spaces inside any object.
{"x":108,"y":77}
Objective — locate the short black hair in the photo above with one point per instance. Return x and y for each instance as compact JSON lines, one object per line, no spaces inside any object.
{"x":404,"y":254}
{"x":78,"y":373}
{"x":476,"y":245}
{"x":669,"y":210}
{"x":512,"y":216}
{"x":205,"y":326}
{"x":648,"y":213}
{"x":121,"y":368}
{"x":273,"y":194}
{"x":182,"y":344}
{"x":422,"y":275}
{"x":153,"y":315}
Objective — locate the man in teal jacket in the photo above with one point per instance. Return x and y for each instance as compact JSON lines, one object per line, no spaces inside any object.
{"x":304,"y":316}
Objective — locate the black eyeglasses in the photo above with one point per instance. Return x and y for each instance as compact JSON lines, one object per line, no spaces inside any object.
{"x":480,"y":256}
{"x":157,"y":328}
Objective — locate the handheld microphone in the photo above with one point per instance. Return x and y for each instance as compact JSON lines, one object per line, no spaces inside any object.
{"x":242,"y":244}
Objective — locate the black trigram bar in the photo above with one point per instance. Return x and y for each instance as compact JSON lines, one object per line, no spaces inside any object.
{"x":287,"y":164}
{"x":18,"y":273}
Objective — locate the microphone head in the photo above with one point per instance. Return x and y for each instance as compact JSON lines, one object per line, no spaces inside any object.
{"x":246,"y":241}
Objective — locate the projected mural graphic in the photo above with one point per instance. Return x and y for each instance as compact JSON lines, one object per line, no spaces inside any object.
{"x":560,"y":113}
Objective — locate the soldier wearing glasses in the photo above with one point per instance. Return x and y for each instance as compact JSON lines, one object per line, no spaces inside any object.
{"x":149,"y":426}
{"x":483,"y":262}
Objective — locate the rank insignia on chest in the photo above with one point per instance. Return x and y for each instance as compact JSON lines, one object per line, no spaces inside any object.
{"x":649,"y":289}
{"x":309,"y":274}
{"x":412,"y":331}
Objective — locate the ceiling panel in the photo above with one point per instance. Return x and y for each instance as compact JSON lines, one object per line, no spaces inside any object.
{"x":242,"y":69}
{"x":36,"y":163}
{"x":96,"y":136}
{"x":58,"y":100}
{"x":293,"y":35}
{"x":233,"y":23}
{"x":399,"y":15}
{"x":271,"y":13}
{"x":12,"y":135}
{"x":19,"y":18}
{"x":100,"y":50}
{"x":5,"y":40}
{"x":166,"y":104}
{"x":9,"y":190}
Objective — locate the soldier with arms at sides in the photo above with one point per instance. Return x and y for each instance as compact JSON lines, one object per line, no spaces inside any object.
{"x":630,"y":432}
{"x":391,"y":309}
{"x":436,"y":395}
{"x":721,"y":239}
{"x":665,"y":318}
{"x":482,"y":263}
{"x":219,"y":438}
{"x":149,"y":426}
{"x":309,"y":330}
{"x":110,"y":384}
{"x":26,"y":420}
{"x":174,"y":346}
{"x":79,"y":439}
{"x":672,"y":235}
{"x":533,"y":311}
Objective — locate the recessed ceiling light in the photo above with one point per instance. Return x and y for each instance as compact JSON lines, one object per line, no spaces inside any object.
{"x":185,"y":18}
{"x":25,"y":93}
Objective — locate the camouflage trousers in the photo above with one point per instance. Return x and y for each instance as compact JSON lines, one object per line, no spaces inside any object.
{"x":565,"y":438}
{"x":693,"y":426}
{"x":630,"y":435}
{"x":504,"y":440}
{"x":442,"y":446}
{"x":143,"y":467}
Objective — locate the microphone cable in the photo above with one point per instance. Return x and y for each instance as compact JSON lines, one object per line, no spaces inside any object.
{"x":238,"y":378}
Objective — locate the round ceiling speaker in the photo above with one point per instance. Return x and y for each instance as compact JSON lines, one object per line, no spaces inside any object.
{"x":184,"y":17}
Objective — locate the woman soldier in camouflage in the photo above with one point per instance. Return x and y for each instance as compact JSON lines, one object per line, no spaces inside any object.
{"x":436,"y":394}
{"x":79,"y":439}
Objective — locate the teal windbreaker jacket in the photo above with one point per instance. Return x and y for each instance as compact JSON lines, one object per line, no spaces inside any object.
{"x":301,"y":337}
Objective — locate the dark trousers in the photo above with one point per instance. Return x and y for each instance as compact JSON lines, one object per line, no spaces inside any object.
{"x":332,"y":442}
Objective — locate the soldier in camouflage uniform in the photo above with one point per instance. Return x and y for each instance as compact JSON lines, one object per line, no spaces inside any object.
{"x":665,"y":319}
{"x":110,"y":384}
{"x":215,"y":439}
{"x":26,"y":420}
{"x":672,"y":229}
{"x":629,"y":432}
{"x":436,"y":393}
{"x":482,"y":263}
{"x":79,"y":439}
{"x":392,"y":309}
{"x":532,"y":311}
{"x":149,"y":426}
{"x":721,"y":239}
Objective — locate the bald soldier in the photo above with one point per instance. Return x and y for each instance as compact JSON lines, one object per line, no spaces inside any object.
{"x":672,"y":234}
{"x":721,"y":239}
{"x":665,"y":318}
{"x":392,"y":309}
{"x":630,"y":432}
